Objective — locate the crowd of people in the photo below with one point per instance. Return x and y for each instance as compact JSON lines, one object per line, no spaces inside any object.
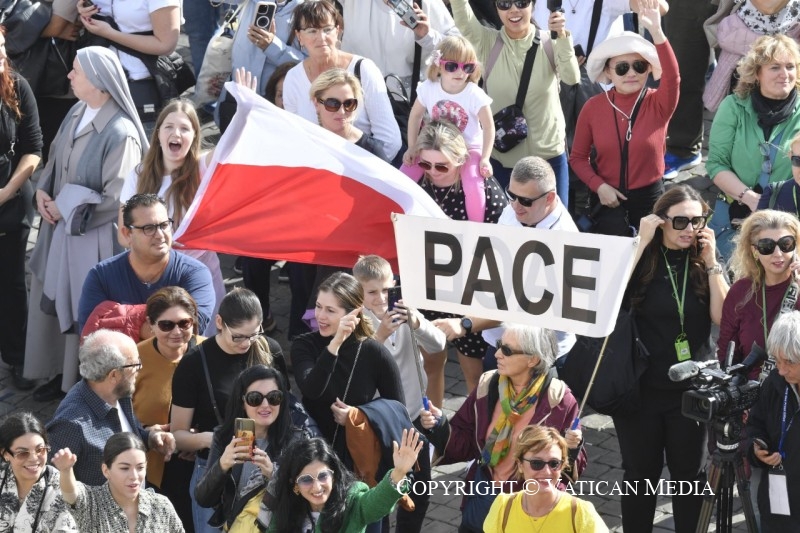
{"x":177,"y":410}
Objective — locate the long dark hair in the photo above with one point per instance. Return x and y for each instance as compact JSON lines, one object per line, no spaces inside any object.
{"x":290,"y":510}
{"x":646,"y":269}
{"x":119,"y":443}
{"x":279,"y":431}
{"x":16,"y":425}
{"x":242,"y":305}
{"x":8,"y":89}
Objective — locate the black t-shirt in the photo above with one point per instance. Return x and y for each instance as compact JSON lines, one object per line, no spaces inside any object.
{"x":189,"y":386}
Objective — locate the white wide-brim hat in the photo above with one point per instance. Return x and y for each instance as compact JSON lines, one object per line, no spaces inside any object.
{"x":626,"y":42}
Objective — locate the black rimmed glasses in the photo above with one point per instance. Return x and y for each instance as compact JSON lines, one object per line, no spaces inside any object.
{"x":795,"y":160}
{"x":255,"y":398}
{"x":639,"y":66}
{"x":507,"y":350}
{"x":308,"y":480}
{"x":452,"y":66}
{"x":168,"y":325}
{"x":24,"y":455}
{"x":440,"y":167}
{"x":680,"y":223}
{"x":150,"y":229}
{"x":786,"y":244}
{"x":135,"y":366}
{"x":524,"y":201}
{"x":241,"y":338}
{"x":539,"y":464}
{"x":505,"y":5}
{"x":333,"y":105}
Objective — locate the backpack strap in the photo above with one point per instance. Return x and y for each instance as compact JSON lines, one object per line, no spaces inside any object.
{"x":776,"y":190}
{"x":593,"y":25}
{"x":574,"y":507}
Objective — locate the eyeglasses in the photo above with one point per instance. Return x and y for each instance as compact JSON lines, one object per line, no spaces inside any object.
{"x":440,"y":167}
{"x":168,"y":325}
{"x":308,"y":480}
{"x":795,"y":160}
{"x":639,"y":66}
{"x":255,"y":398}
{"x":452,"y":66}
{"x":524,"y":201}
{"x":766,"y":165}
{"x":786,"y":244}
{"x":333,"y":105}
{"x":241,"y":338}
{"x":313,"y":32}
{"x":150,"y":229}
{"x":507,"y":350}
{"x":505,"y":5}
{"x":538,"y":464}
{"x":135,"y":366}
{"x":23,"y":455}
{"x":680,"y":223}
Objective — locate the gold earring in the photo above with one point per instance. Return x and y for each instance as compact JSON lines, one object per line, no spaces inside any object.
{"x":296,"y":490}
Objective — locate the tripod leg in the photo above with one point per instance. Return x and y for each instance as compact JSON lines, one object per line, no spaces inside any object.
{"x":714,"y":473}
{"x":744,"y":494}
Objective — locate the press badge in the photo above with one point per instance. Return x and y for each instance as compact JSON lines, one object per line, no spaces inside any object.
{"x":682,"y":348}
{"x":778,"y":495}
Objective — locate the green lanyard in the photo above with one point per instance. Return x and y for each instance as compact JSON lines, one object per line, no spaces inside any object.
{"x":764,"y":307}
{"x":675,"y":286}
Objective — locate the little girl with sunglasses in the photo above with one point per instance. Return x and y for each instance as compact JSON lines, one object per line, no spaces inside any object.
{"x":451,"y":93}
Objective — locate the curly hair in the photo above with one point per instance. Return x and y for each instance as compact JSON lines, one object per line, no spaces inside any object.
{"x":764,"y":51}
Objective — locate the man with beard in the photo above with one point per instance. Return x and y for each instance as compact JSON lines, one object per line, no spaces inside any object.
{"x":99,"y":405}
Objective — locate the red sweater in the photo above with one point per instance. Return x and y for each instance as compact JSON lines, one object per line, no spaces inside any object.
{"x":648,"y":138}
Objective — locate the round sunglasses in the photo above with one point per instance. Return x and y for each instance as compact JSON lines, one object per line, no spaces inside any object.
{"x":639,"y":66}
{"x":333,"y":104}
{"x":505,"y":5}
{"x":452,"y":66}
{"x":680,"y":223}
{"x":308,"y":480}
{"x":440,"y":167}
{"x":786,"y":244}
{"x":538,"y":464}
{"x":168,"y":325}
{"x":255,"y":398}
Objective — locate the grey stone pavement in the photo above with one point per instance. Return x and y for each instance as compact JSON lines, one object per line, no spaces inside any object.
{"x":602,"y":448}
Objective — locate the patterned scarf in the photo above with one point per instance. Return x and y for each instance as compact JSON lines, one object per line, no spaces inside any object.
{"x":499,"y":442}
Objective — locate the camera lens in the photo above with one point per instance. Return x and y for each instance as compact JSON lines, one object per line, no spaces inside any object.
{"x":262,"y":22}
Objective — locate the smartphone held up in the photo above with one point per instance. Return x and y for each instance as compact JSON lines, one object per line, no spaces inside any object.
{"x":245,"y":428}
{"x":265,"y":13}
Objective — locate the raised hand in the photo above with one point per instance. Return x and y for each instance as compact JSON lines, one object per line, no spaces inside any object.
{"x":64,"y":459}
{"x":405,"y":454}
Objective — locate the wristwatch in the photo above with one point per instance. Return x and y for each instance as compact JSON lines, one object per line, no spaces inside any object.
{"x":466,"y":323}
{"x":403,"y":486}
{"x":716,"y":269}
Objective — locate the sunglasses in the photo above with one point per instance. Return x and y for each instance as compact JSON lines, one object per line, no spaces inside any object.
{"x":795,"y":160}
{"x":23,"y":455}
{"x":150,"y":229}
{"x":255,"y":398}
{"x":168,"y":325}
{"x":308,"y":480}
{"x":538,"y":464}
{"x":440,"y":167}
{"x":505,"y":5}
{"x":452,"y":66}
{"x":523,"y":201}
{"x":767,"y":246}
{"x":333,"y":105}
{"x":766,"y":150}
{"x":680,"y":223}
{"x":639,"y":66}
{"x":507,"y":350}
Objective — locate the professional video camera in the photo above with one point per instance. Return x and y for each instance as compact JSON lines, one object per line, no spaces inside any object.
{"x":718,"y":393}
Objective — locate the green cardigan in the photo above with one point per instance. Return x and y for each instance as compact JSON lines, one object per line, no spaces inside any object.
{"x":364,"y":505}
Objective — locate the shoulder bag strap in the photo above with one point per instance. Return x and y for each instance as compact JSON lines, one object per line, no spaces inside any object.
{"x":527,"y":70}
{"x":357,"y":69}
{"x":492,"y":59}
{"x":507,"y":509}
{"x":417,"y":65}
{"x":208,"y":384}
{"x":593,"y":25}
{"x":347,"y":387}
{"x":574,"y":506}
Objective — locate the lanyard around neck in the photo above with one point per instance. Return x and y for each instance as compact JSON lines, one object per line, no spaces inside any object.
{"x":680,"y":301}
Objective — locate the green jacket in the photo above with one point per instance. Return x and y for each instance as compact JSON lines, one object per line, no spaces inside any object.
{"x":735,"y":139}
{"x":542,"y":109}
{"x":364,"y":505}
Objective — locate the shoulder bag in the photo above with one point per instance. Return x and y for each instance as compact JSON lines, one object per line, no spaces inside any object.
{"x":510,"y":125}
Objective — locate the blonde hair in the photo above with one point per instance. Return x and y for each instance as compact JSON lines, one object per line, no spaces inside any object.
{"x":764,"y":51}
{"x":443,"y":136}
{"x":332,"y":78}
{"x":372,"y":267}
{"x":535,"y":439}
{"x":455,"y":48}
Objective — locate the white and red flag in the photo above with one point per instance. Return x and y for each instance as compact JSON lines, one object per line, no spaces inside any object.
{"x":281,"y":187}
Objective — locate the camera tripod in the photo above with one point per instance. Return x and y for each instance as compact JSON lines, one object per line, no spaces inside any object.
{"x":727,"y":467}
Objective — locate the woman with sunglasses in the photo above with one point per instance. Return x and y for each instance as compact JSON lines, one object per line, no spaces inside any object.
{"x":336,"y":95}
{"x":542,"y":108}
{"x":540,"y":455}
{"x":627,"y":126}
{"x":204,"y":378}
{"x":764,"y":266}
{"x":676,"y":290}
{"x":240,"y":469}
{"x":751,"y":130}
{"x":317,"y":27}
{"x":171,"y":315}
{"x":520,"y":393}
{"x":315,"y":492}
{"x":30,"y":494}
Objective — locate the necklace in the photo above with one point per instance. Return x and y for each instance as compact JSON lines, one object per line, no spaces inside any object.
{"x":573,"y":4}
{"x":440,"y":201}
{"x":149,"y":281}
{"x":546,"y":515}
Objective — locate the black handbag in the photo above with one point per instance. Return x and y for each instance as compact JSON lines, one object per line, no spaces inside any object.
{"x":616,"y":385}
{"x":510,"y":125}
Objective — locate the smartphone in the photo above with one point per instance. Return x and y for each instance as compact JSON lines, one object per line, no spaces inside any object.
{"x":245,"y":428}
{"x":88,"y":3}
{"x":394,"y":296}
{"x":579,"y":51}
{"x":265,"y":12}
